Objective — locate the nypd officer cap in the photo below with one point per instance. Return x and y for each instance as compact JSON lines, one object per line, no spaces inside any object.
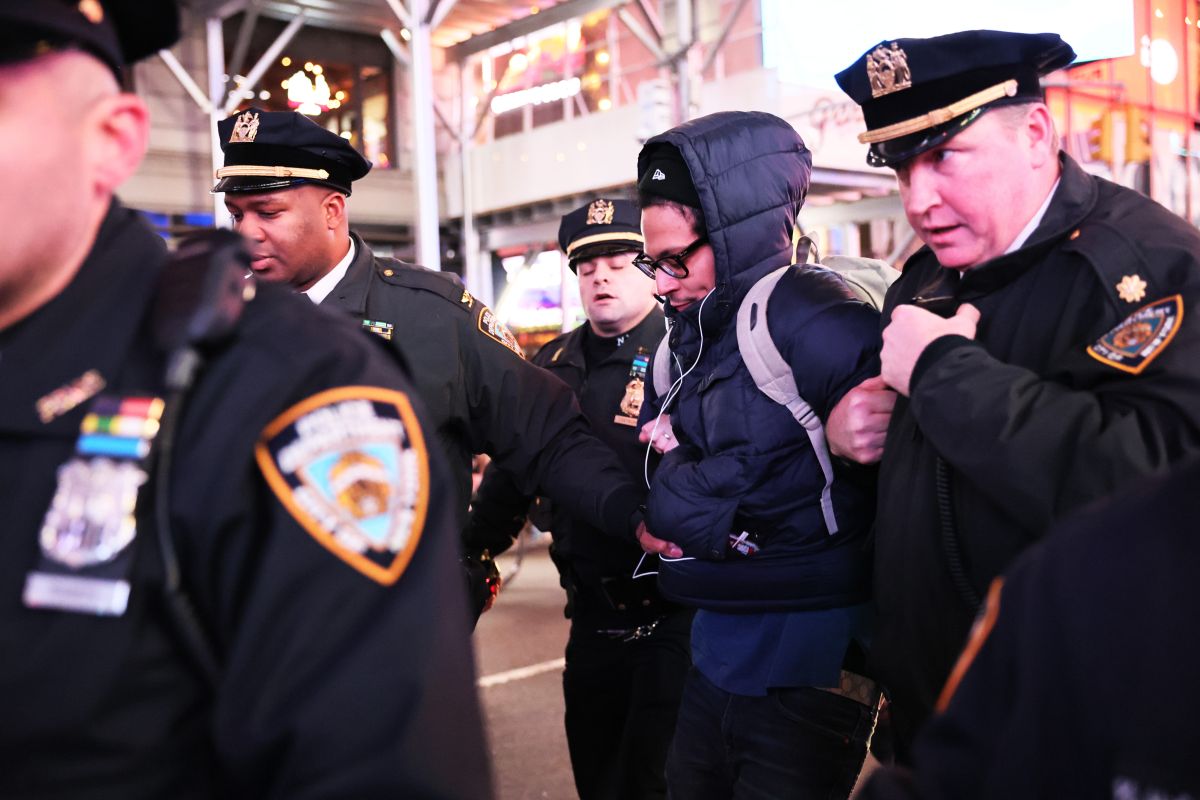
{"x":118,"y":32}
{"x":600,"y":228}
{"x":917,"y":93}
{"x":270,"y":150}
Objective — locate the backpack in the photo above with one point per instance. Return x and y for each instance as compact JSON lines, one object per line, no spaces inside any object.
{"x":868,"y":278}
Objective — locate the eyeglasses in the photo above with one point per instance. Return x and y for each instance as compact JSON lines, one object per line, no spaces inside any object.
{"x":674,"y":264}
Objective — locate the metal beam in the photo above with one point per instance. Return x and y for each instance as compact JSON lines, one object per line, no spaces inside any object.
{"x":527,"y":25}
{"x":651,"y":18}
{"x":401,"y":13}
{"x":189,"y":85}
{"x":267,"y":59}
{"x":429,"y":250}
{"x":642,"y":36}
{"x":215,"y":41}
{"x":242,"y":46}
{"x":715,"y":49}
{"x":444,"y":8}
{"x":399,"y":52}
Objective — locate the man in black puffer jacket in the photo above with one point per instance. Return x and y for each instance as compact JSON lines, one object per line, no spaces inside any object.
{"x":774,"y":701}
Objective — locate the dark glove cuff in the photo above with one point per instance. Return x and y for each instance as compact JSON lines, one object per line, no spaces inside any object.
{"x":622,"y":513}
{"x":934,"y":351}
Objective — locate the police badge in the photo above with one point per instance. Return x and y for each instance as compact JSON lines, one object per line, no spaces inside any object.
{"x":87,"y":534}
{"x":1139,"y":338}
{"x":351,"y":467}
{"x":635,"y":390}
{"x":600,"y":212}
{"x":245,"y":128}
{"x":887,"y":70}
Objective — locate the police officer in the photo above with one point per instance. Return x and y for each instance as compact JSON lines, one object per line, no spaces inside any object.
{"x":222,"y":562}
{"x":286,"y":181}
{"x":628,"y":649}
{"x":1076,"y":679}
{"x":1043,"y":342}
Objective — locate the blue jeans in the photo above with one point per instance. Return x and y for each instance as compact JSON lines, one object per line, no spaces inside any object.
{"x":793,"y":743}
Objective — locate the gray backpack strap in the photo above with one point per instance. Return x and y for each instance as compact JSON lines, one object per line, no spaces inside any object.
{"x":774,"y":377}
{"x":661,"y":368}
{"x":869,"y":278}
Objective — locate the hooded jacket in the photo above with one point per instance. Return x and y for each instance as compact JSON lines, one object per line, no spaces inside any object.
{"x":743,"y":463}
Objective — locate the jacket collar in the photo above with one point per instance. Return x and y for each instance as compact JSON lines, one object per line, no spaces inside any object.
{"x":1073,"y":201}
{"x":89,"y":327}
{"x":351,"y":292}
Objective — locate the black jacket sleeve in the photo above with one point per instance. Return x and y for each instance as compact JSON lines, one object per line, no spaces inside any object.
{"x":532,"y":426}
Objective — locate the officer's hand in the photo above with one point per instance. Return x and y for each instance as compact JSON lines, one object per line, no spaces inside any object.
{"x":858,"y":424}
{"x":483,"y":581}
{"x":664,"y":437}
{"x":653,"y":545}
{"x":910,"y":332}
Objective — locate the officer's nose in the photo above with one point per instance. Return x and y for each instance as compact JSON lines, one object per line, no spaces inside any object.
{"x":246,"y":227}
{"x":918,"y":191}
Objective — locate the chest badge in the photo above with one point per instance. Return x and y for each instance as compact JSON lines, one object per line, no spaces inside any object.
{"x":1140,"y":337}
{"x":1131,"y":289}
{"x":383,"y":329}
{"x":635,"y":390}
{"x":86,"y":536}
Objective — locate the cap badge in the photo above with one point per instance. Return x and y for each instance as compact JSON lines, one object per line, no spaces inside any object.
{"x":600,"y":212}
{"x":887,"y":70}
{"x":245,"y":129}
{"x":658,"y":175}
{"x":1132,"y":288}
{"x":92,"y":10}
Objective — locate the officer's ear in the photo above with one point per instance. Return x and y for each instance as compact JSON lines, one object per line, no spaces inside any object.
{"x":334,"y":209}
{"x":1038,"y":129}
{"x":118,"y":132}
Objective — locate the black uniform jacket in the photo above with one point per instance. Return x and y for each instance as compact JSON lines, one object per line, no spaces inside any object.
{"x":483,"y":396}
{"x":610,"y":394}
{"x":331,"y":683}
{"x":1070,"y":686}
{"x":1083,"y":377}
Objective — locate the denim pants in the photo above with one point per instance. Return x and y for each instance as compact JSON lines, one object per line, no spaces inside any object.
{"x":793,"y":743}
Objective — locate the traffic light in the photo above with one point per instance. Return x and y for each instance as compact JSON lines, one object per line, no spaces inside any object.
{"x":1100,"y":138}
{"x":1137,"y":135}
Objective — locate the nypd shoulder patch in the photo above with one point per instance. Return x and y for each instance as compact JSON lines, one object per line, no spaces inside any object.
{"x":1140,"y":337}
{"x":491,"y":326}
{"x":350,"y":465}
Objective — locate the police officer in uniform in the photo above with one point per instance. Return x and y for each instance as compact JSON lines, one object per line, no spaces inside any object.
{"x":627,"y":655}
{"x":1076,"y":679}
{"x":286,"y":181}
{"x":1043,"y":343}
{"x":224,"y":564}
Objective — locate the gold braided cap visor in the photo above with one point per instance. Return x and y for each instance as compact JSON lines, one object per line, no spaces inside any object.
{"x":628,"y":236}
{"x":940,"y":116}
{"x":249,"y":170}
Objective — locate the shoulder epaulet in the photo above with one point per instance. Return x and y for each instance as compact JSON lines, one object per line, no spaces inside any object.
{"x":1121,"y":267}
{"x":446,"y":285}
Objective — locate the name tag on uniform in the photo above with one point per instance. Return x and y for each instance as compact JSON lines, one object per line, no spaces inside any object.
{"x":85,"y":541}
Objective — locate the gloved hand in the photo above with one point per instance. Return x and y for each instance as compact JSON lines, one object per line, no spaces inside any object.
{"x":483,"y":581}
